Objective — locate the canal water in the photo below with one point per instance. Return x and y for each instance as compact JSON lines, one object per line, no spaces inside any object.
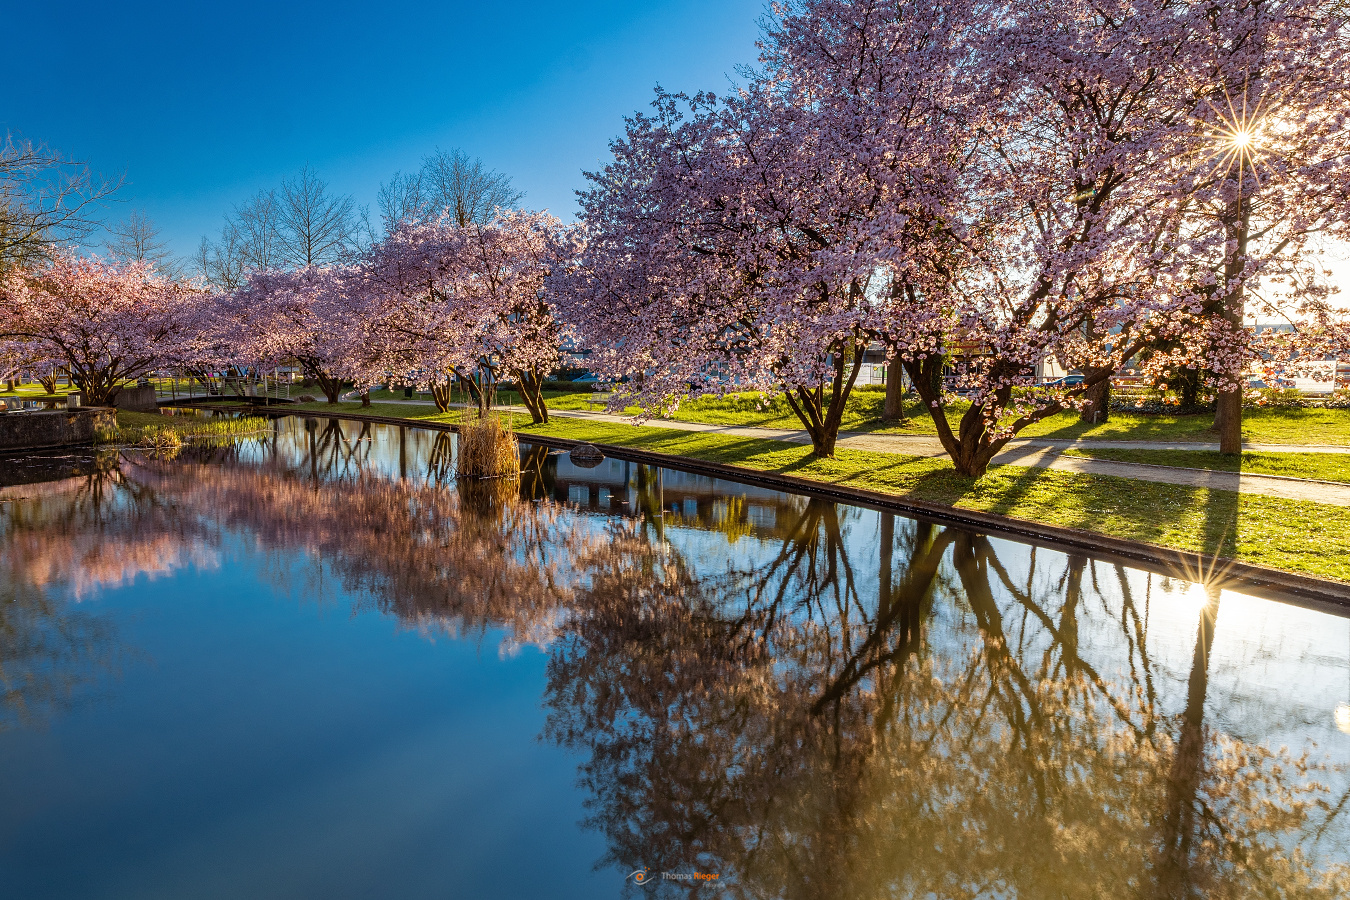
{"x":311,"y":664}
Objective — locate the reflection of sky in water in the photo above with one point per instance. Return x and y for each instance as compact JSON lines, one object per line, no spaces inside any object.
{"x":261,"y":697}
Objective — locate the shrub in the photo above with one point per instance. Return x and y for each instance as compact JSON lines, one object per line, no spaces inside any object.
{"x":1158,"y":405}
{"x":1276,"y":398}
{"x":1339,"y":399}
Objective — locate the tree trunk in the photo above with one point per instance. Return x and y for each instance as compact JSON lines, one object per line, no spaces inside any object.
{"x":330,"y":386}
{"x":894,"y":409}
{"x":973,"y":460}
{"x":1178,"y":842}
{"x":1228,"y":408}
{"x":479,"y":393}
{"x":969,"y":450}
{"x":532,"y":395}
{"x":1228,"y":420}
{"x":1098,"y":409}
{"x":822,"y":443}
{"x":440,"y":393}
{"x":822,"y":420}
{"x":365,"y":397}
{"x":1189,"y":381}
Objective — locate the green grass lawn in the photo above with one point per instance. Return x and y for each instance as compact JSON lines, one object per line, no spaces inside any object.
{"x":1272,"y":426}
{"x":1321,"y":466}
{"x":34,"y":391}
{"x":1298,"y":536}
{"x":1259,"y":426}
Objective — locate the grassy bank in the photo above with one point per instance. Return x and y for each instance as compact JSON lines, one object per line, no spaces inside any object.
{"x":145,"y":429}
{"x":1298,"y":536}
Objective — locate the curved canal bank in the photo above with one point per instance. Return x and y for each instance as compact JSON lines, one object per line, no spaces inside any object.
{"x":1218,"y":571}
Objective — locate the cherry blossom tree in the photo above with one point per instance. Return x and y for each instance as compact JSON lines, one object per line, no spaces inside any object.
{"x":106,"y":323}
{"x":19,"y":356}
{"x":979,"y":187}
{"x":760,"y":241}
{"x":1078,"y":119}
{"x":315,"y":316}
{"x":1115,"y":147}
{"x":1271,"y":182}
{"x":470,"y":302}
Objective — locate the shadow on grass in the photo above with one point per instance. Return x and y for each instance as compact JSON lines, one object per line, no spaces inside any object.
{"x":1013,"y":488}
{"x":1124,"y":426}
{"x":1223,"y":511}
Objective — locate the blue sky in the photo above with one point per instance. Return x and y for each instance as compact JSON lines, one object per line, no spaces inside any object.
{"x":203,"y":103}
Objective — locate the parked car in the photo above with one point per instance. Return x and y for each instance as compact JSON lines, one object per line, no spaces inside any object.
{"x":1066,"y":381}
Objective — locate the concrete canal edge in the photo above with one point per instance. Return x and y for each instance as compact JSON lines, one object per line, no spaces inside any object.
{"x":1218,"y":571}
{"x":50,"y":429}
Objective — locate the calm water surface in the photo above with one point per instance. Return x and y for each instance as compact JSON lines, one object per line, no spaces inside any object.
{"x":311,"y":665}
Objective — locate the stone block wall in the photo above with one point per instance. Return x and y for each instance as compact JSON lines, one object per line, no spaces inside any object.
{"x":53,"y":428}
{"x":140,"y":399}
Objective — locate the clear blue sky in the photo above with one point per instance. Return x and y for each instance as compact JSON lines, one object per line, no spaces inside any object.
{"x":203,"y":103}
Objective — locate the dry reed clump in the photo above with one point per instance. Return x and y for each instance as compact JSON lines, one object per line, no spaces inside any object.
{"x":163,"y":442}
{"x":487,"y":449}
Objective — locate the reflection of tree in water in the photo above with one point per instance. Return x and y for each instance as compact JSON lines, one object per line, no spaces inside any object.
{"x":49,"y":651}
{"x":810,"y":724}
{"x":773,"y":727}
{"x":462,"y":558}
{"x":329,"y":453}
{"x":807,"y":732}
{"x":60,"y":541}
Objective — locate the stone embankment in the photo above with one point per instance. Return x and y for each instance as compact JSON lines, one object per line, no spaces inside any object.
{"x":41,"y":430}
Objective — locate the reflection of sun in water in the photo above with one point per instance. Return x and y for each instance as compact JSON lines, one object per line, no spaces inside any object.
{"x":1343,"y":717}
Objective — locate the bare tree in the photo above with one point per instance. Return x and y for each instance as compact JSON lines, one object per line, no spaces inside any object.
{"x":316,"y":227}
{"x":137,"y":238}
{"x":256,"y":227}
{"x":222,"y":262}
{"x":449,"y":183}
{"x":45,"y":198}
{"x":401,"y":199}
{"x":300,"y":224}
